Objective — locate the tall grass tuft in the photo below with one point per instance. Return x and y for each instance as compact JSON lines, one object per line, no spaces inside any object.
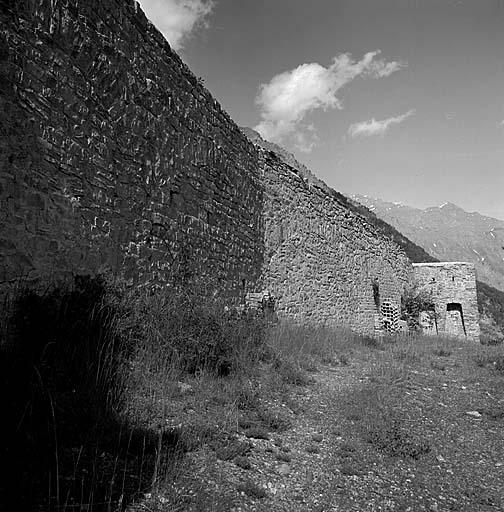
{"x":61,"y":372}
{"x":97,"y":378}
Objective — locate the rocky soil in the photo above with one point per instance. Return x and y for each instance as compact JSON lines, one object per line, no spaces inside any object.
{"x":393,"y":429}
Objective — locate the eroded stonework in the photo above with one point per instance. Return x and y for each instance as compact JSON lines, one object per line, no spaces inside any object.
{"x":113,"y":155}
{"x":453,"y":289}
{"x":324,"y":263}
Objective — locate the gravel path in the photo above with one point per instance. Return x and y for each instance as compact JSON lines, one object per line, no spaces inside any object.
{"x":324,"y":463}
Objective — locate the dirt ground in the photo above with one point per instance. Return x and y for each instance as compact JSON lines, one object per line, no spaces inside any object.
{"x":392,"y":429}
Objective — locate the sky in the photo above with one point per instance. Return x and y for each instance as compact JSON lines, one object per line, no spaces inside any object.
{"x":397,"y":99}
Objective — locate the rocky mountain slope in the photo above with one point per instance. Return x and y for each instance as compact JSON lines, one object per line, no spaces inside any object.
{"x":414,"y":252}
{"x":449,"y":233}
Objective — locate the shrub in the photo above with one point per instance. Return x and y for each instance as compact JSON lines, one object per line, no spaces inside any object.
{"x":413,"y":302}
{"x":185,"y":329}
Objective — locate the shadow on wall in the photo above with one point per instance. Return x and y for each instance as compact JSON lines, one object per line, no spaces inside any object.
{"x":60,"y":372}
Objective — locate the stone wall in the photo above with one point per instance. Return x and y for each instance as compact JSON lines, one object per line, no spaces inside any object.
{"x":324,"y":263}
{"x":453,"y":289}
{"x":113,"y":155}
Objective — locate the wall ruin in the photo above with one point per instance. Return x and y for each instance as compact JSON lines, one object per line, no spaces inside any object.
{"x":324,"y":263}
{"x":452,"y":286}
{"x":113,"y":155}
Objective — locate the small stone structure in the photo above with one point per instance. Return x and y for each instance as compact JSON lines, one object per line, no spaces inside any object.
{"x":452,"y":286}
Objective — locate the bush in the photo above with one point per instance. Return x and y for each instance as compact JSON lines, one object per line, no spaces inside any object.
{"x":187,"y":331}
{"x":413,"y":302}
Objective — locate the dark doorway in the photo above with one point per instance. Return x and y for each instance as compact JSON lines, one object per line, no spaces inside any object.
{"x":455,"y":324}
{"x":376,"y":293}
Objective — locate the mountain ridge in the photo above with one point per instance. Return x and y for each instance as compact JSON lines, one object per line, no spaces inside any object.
{"x":450,"y":233}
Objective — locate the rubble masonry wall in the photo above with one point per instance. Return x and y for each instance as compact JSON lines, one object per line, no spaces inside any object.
{"x":453,"y":290}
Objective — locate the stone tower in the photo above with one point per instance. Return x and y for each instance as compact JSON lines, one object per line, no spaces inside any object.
{"x":453,"y":289}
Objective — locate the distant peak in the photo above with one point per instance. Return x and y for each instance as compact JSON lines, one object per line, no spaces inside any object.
{"x":449,"y":205}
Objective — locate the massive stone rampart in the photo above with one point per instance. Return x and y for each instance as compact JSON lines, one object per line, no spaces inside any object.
{"x":324,"y":262}
{"x":112,"y":154}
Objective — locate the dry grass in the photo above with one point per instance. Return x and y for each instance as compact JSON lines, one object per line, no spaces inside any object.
{"x":127,"y":381}
{"x":379,"y":408}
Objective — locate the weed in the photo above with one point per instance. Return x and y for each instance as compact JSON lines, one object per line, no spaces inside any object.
{"x":251,"y":489}
{"x":350,"y":470}
{"x":291,"y":373}
{"x":395,"y":441}
{"x":492,"y":358}
{"x":344,"y":359}
{"x":435,"y":365}
{"x":371,"y":342}
{"x":481,"y":360}
{"x":347,"y":447}
{"x":274,"y":420}
{"x":101,"y":370}
{"x":495,"y":412}
{"x":283,"y":457}
{"x":499,"y":365}
{"x":441,"y":352}
{"x":248,"y":399}
{"x":378,"y":414}
{"x":257,"y":433}
{"x":243,"y":462}
{"x":231,"y":450}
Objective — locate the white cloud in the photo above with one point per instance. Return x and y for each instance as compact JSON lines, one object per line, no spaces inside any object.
{"x":177,"y":19}
{"x":374,"y":127}
{"x":291,"y":95}
{"x":501,"y":123}
{"x":306,"y":139}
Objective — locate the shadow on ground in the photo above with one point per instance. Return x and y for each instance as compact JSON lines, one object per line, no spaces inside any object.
{"x":65,"y":447}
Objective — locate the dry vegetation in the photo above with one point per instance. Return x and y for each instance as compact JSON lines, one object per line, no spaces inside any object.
{"x":154,"y":400}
